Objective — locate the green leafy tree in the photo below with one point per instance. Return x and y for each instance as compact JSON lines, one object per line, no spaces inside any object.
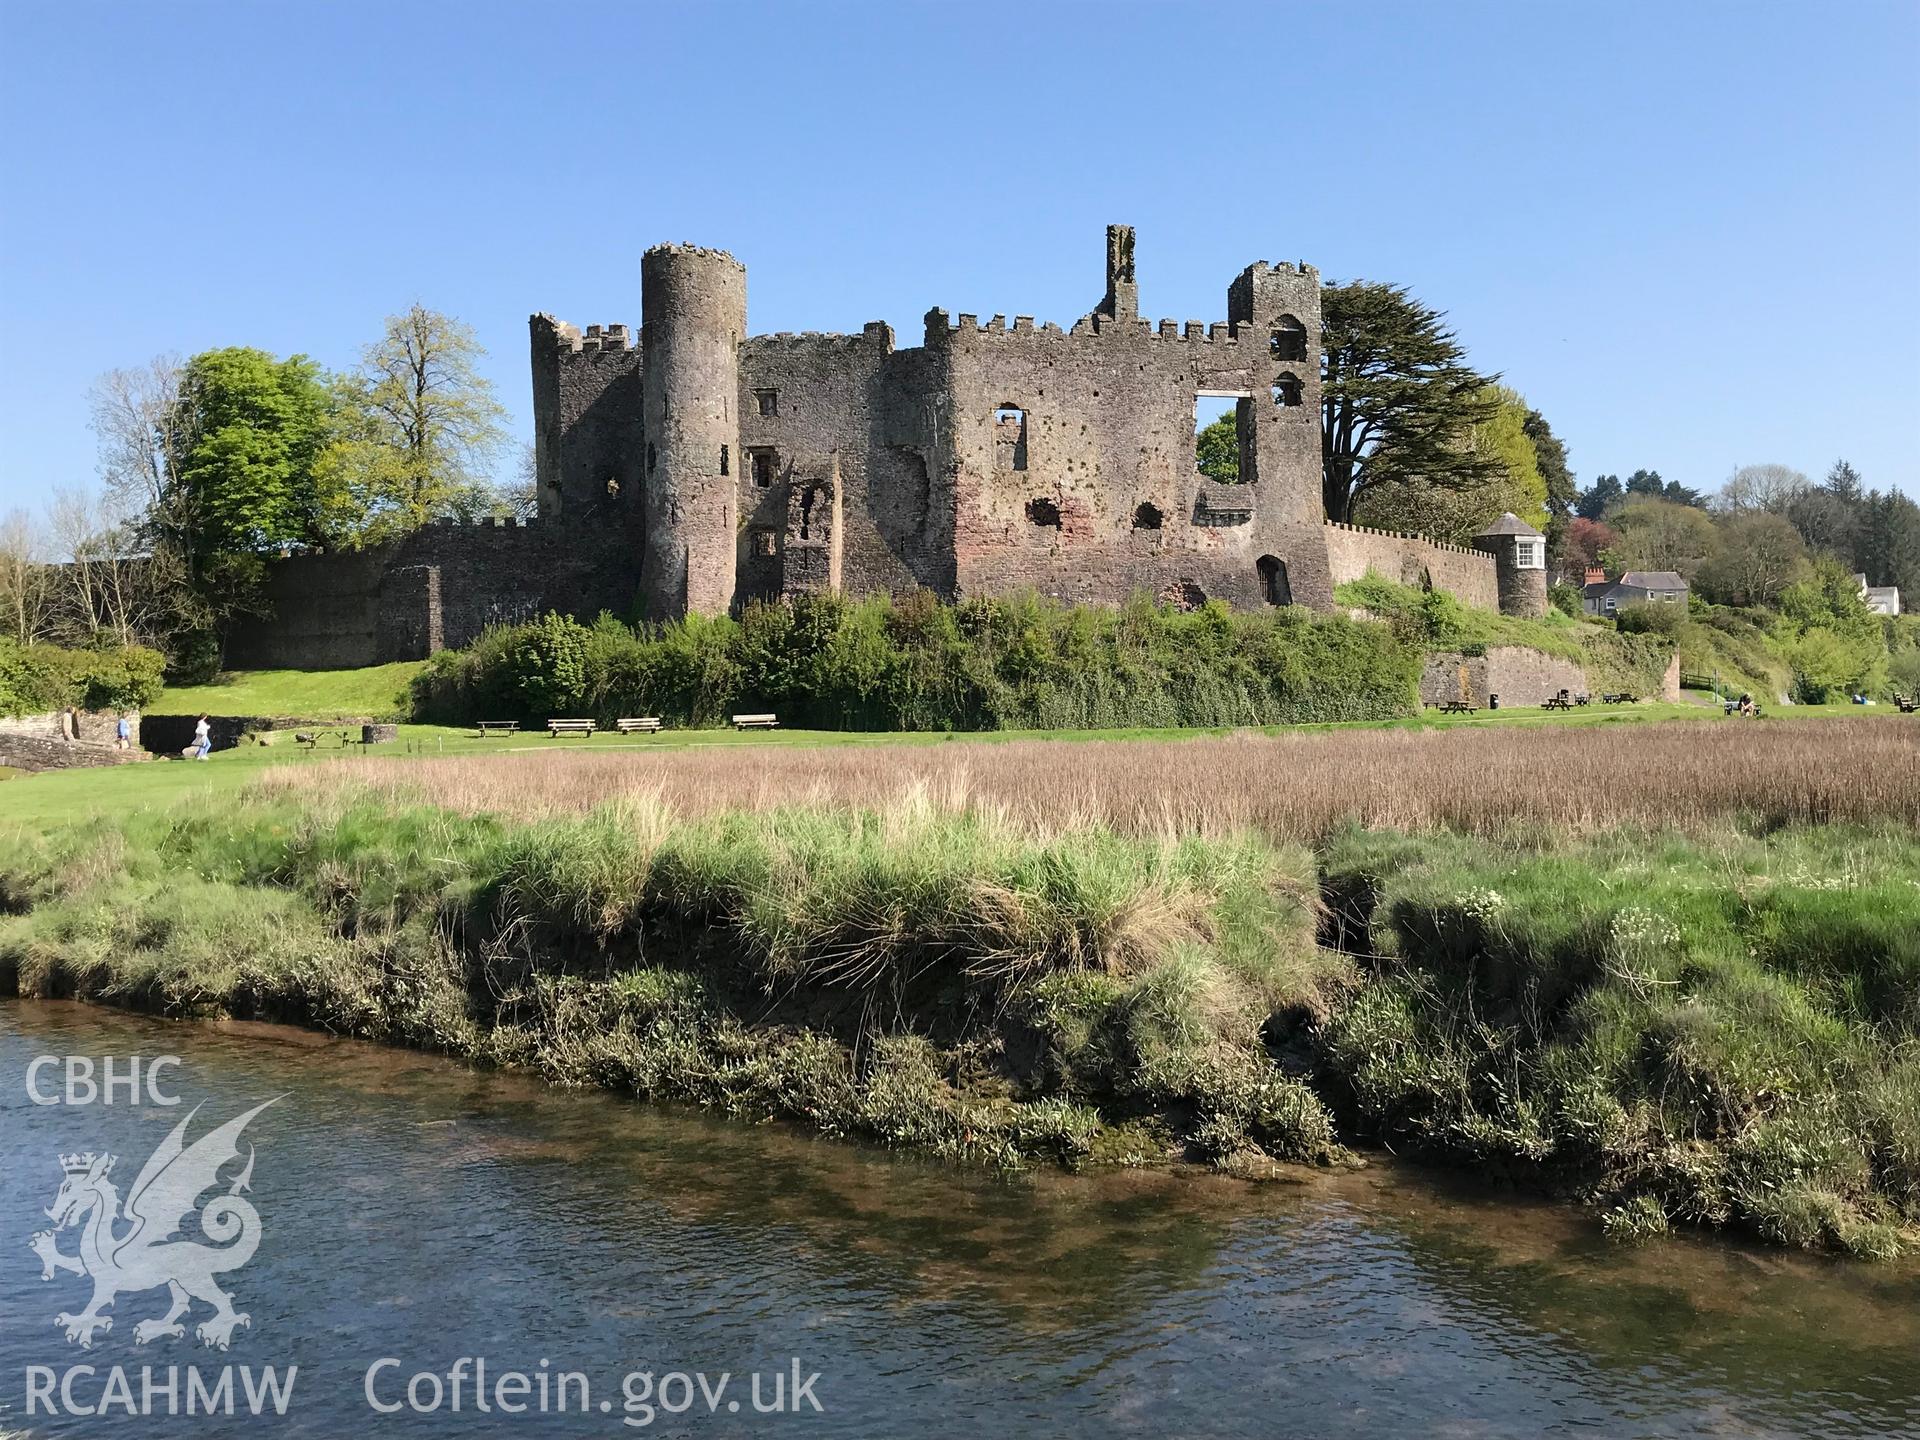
{"x":421,"y":428}
{"x":1218,"y":445}
{"x":1398,"y":399}
{"x":1755,"y":555}
{"x":1655,"y":534}
{"x":1455,"y":512}
{"x":251,"y":427}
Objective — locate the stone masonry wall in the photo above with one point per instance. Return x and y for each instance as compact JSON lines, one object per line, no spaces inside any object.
{"x":34,"y":742}
{"x":344,"y":610}
{"x":1467,"y":575}
{"x":1517,"y":675}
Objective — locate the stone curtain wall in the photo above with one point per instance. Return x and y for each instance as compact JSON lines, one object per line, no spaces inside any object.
{"x":1467,"y":575}
{"x":345,"y":610}
{"x":1517,"y":675}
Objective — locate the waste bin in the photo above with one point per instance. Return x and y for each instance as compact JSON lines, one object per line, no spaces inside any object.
{"x":1493,"y":701}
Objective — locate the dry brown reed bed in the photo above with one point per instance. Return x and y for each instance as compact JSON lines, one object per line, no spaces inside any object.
{"x":1480,"y":781}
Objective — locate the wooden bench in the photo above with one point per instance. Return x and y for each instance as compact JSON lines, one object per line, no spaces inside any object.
{"x":638,"y":725}
{"x":1906,"y":704}
{"x":1583,"y":699}
{"x":755,"y":722}
{"x":497,"y":727}
{"x":583,"y":728}
{"x":1457,"y":707}
{"x":1732,"y":707}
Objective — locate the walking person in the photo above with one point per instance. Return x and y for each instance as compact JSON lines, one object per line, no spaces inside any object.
{"x":123,"y":733}
{"x":202,"y":738}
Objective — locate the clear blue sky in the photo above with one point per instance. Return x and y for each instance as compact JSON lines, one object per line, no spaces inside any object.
{"x":1687,"y":232}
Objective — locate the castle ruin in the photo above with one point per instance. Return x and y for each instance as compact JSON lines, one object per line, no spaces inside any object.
{"x":703,"y":468}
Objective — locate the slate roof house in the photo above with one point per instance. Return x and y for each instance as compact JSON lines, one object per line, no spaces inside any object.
{"x":1659,"y":587}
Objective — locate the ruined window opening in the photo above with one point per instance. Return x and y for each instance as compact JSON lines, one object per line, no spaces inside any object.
{"x":769,"y":401}
{"x":1287,"y":390}
{"x":1288,"y":340}
{"x":653,"y":457}
{"x":1222,"y":451}
{"x":1147,"y":516}
{"x":763,"y":467}
{"x":806,"y":511}
{"x":763,"y":542}
{"x":1273,"y":580}
{"x":1010,"y":438}
{"x":1042,"y":511}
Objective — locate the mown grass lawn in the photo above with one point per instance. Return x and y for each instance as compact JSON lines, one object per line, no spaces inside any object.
{"x":374,"y":692}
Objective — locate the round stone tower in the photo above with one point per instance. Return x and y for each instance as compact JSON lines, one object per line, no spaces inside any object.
{"x":1519,"y":565}
{"x":693,"y":317}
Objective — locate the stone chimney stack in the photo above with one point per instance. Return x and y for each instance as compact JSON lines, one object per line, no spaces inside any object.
{"x":1122,"y":300}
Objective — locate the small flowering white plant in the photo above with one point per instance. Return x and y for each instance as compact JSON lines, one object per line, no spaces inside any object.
{"x":1483,"y":904}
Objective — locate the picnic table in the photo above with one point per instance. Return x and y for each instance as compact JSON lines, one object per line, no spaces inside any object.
{"x":310,"y":739}
{"x":1583,"y":699}
{"x":1619,"y":697}
{"x":583,"y":728}
{"x":1557,"y":702}
{"x":755,"y":722}
{"x":497,"y":727}
{"x":1457,"y":707}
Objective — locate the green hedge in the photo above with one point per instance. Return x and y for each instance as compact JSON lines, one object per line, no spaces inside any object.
{"x":915,"y":664}
{"x":35,"y":679}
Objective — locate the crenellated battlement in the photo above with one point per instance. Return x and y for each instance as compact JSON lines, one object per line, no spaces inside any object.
{"x":1195,"y":332}
{"x":568,"y":339}
{"x":1451,"y":549}
{"x":874,"y":332}
{"x":700,"y":252}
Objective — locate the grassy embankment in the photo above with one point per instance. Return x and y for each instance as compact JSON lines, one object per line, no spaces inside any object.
{"x":377,"y":692}
{"x":1678,"y":982}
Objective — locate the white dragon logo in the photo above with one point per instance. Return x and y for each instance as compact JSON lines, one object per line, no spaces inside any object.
{"x":153,"y":1252}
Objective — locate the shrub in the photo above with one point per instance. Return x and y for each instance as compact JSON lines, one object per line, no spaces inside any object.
{"x":38,"y":678}
{"x":1020,"y":662}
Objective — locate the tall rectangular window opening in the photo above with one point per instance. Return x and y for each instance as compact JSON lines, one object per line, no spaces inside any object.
{"x":763,"y":467}
{"x":1010,"y":437}
{"x":723,"y":459}
{"x":1222,"y":443}
{"x":769,"y":401}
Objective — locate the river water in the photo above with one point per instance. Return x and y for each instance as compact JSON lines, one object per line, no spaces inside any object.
{"x":415,"y":1212}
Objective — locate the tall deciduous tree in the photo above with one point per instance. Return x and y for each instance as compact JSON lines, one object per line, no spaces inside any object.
{"x":1660,"y":535}
{"x":1756,"y":554}
{"x":1551,"y":454}
{"x":1455,"y":512}
{"x":1768,"y":489}
{"x":423,"y":427}
{"x":1398,"y":398}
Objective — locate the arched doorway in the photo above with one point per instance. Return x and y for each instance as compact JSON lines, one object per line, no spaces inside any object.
{"x":1273,"y":580}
